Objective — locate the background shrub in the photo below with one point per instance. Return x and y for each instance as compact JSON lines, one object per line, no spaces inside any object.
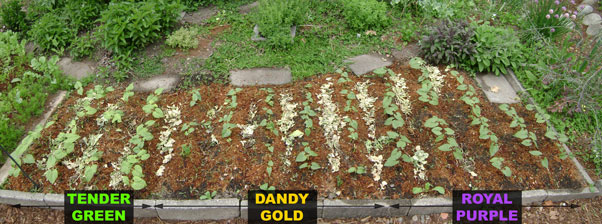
{"x":362,"y":15}
{"x":51,"y":32}
{"x":129,"y":25}
{"x":25,"y":86}
{"x":449,"y":43}
{"x":275,"y":19}
{"x":184,"y":38}
{"x":497,"y":49}
{"x":12,"y":15}
{"x":82,"y":13}
{"x":82,"y":46}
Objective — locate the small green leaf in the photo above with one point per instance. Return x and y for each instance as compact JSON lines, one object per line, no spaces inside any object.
{"x":544,"y":162}
{"x":535,"y":153}
{"x":28,"y":159}
{"x":51,"y":175}
{"x":138,"y":183}
{"x":439,"y":189}
{"x":89,"y":172}
{"x":417,"y":190}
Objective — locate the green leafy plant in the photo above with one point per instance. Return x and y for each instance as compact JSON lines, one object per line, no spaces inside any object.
{"x":82,"y":13}
{"x":275,"y":19}
{"x":267,"y":187}
{"x":496,"y":49}
{"x":362,"y":15}
{"x":428,"y":89}
{"x":208,"y":195}
{"x":126,"y":25}
{"x":305,"y":155}
{"x":52,"y":33}
{"x":151,"y":104}
{"x":61,"y":146}
{"x":518,"y":121}
{"x":307,"y":113}
{"x":449,"y":42}
{"x":196,"y":97}
{"x":497,"y":162}
{"x":82,"y":46}
{"x":188,"y":128}
{"x":428,"y":187}
{"x":227,"y":126}
{"x":113,"y":115}
{"x":434,"y":124}
{"x":184,"y":38}
{"x":12,"y":15}
{"x":128,"y":92}
{"x":357,"y":170}
{"x":185,"y":151}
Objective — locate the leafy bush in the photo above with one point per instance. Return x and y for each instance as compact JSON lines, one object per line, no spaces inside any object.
{"x":82,"y":46}
{"x":449,"y":43}
{"x":547,"y":18}
{"x":184,"y":38}
{"x":129,"y":25}
{"x":275,"y":19}
{"x":437,"y":8}
{"x":497,"y":48}
{"x":82,"y":13}
{"x":362,"y":15}
{"x":38,"y":8}
{"x":25,"y":86}
{"x":12,"y":15}
{"x":51,"y":32}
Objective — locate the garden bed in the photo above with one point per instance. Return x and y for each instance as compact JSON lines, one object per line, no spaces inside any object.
{"x":234,"y":146}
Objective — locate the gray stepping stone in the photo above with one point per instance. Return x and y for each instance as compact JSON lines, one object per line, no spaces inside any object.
{"x":592,"y":19}
{"x":589,"y":2}
{"x":366,"y":63}
{"x":497,"y":88}
{"x":594,"y":30}
{"x":585,"y":9}
{"x":247,"y":8}
{"x":76,"y":69}
{"x":199,"y":17}
{"x":260,"y":76}
{"x":167,"y":82}
{"x":406,"y":53}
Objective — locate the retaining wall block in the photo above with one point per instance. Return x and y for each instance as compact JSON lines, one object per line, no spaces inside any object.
{"x":23,"y":198}
{"x":149,"y":212}
{"x":199,"y":213}
{"x":534,"y":196}
{"x":369,"y":210}
{"x":446,"y":204}
{"x":565,"y":195}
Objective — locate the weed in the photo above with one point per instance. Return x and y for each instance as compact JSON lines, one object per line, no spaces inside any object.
{"x":184,"y":38}
{"x":428,"y":187}
{"x":208,"y":195}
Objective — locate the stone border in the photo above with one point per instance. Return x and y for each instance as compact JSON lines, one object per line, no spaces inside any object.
{"x":237,"y":208}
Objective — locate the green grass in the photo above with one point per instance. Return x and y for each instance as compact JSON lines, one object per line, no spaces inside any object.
{"x":318,"y":50}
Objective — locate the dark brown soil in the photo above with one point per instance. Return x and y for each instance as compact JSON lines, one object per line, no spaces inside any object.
{"x":232,"y":169}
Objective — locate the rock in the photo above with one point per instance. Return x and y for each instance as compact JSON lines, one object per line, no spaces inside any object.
{"x":258,"y":37}
{"x":247,"y":8}
{"x":589,"y":2}
{"x":593,"y":30}
{"x":75,"y":69}
{"x":408,"y":52}
{"x":585,"y":9}
{"x":30,"y":47}
{"x":366,"y":63}
{"x":260,"y":76}
{"x":592,"y":19}
{"x":199,"y":17}
{"x":497,"y":88}
{"x":167,"y":82}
